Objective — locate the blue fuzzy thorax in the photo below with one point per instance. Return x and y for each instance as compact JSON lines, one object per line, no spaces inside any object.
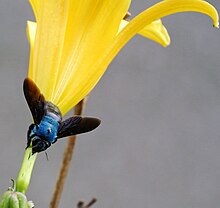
{"x":47,"y":129}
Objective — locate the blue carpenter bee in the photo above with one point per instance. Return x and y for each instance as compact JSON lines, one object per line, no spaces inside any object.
{"x":48,"y":125}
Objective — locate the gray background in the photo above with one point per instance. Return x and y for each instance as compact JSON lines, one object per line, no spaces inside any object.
{"x":159,"y":142}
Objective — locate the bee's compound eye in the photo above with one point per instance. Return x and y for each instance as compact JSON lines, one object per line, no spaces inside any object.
{"x":35,"y":139}
{"x":39,"y":145}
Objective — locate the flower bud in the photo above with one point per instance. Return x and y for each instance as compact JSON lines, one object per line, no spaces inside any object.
{"x":14,"y":199}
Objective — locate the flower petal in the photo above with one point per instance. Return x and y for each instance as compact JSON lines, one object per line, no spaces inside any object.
{"x":154,"y":31}
{"x":96,"y":23}
{"x":70,"y":37}
{"x":48,"y":42}
{"x":31,"y":31}
{"x":35,"y":4}
{"x":155,"y":12}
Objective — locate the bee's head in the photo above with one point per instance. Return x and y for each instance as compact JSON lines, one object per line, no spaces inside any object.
{"x":39,"y":144}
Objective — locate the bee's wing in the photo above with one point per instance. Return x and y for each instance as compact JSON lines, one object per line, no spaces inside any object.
{"x":34,"y":99}
{"x":77,"y":125}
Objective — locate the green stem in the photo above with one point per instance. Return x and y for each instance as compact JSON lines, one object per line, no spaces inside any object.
{"x":24,"y":175}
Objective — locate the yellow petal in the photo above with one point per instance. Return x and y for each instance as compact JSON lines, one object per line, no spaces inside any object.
{"x":31,"y":31}
{"x":96,"y":23}
{"x":157,"y":11}
{"x":154,"y":31}
{"x":70,"y":37}
{"x":72,"y":49}
{"x":49,"y":43}
{"x":35,"y":4}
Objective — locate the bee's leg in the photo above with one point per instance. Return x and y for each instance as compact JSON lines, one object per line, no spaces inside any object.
{"x":54,"y":140}
{"x":28,"y":143}
{"x":29,"y":136}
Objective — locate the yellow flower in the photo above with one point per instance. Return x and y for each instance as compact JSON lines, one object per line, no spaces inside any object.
{"x":74,"y":41}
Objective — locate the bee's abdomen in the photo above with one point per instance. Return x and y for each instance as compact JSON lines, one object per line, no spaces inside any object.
{"x":53,"y":111}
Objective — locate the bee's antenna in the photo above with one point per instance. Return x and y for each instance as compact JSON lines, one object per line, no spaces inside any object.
{"x":46,"y":156}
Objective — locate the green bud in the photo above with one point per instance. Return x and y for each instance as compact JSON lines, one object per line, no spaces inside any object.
{"x":22,"y":199}
{"x":5,"y":200}
{"x":14,"y":199}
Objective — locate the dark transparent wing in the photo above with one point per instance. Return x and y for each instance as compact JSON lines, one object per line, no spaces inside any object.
{"x":77,"y":125}
{"x":34,"y":99}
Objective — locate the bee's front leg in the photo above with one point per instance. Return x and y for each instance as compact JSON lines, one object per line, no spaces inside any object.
{"x":29,"y":135}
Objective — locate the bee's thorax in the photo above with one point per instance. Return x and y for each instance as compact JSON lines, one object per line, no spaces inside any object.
{"x":53,"y":111}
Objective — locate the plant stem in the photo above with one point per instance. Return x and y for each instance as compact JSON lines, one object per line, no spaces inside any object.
{"x":24,"y":175}
{"x":67,"y":157}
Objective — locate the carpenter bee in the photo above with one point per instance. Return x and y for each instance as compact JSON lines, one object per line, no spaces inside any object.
{"x":48,"y":125}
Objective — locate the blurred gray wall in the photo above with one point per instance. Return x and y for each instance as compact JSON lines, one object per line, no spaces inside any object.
{"x":159,"y":142}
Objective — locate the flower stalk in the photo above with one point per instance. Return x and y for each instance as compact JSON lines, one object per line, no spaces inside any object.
{"x":25,"y":173}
